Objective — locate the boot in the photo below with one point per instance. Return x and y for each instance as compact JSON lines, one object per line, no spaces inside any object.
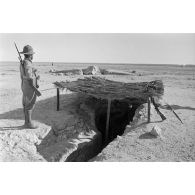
{"x":28,"y":121}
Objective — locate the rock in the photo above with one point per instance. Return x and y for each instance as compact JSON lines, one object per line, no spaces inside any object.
{"x":91,"y":70}
{"x":156,"y":131}
{"x":52,"y":70}
{"x":80,"y":72}
{"x":12,"y":143}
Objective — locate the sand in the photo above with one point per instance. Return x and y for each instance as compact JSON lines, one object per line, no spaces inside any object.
{"x":177,"y":144}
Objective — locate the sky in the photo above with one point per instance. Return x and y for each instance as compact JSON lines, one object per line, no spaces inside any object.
{"x":148,"y":48}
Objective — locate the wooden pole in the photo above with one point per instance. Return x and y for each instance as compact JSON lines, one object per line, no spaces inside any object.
{"x":148,"y":109}
{"x":108,"y":120}
{"x":157,"y":110}
{"x":58,"y":99}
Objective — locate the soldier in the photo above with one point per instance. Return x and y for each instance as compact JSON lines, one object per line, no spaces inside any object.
{"x":29,"y":80}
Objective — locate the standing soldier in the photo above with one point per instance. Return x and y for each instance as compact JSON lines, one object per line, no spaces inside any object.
{"x":29,"y":81}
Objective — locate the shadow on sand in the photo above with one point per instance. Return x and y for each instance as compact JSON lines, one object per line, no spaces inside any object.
{"x":177,"y":107}
{"x":147,"y":135}
{"x":43,"y":111}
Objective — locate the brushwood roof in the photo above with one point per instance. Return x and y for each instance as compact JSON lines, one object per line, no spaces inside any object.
{"x":107,"y":89}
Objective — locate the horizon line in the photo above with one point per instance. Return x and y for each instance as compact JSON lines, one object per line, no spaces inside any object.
{"x":117,"y":63}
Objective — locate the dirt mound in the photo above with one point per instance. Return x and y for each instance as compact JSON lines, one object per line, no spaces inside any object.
{"x":92,"y":70}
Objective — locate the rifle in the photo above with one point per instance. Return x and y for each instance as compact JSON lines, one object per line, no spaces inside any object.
{"x":37,"y":92}
{"x":157,"y":110}
{"x":168,"y":106}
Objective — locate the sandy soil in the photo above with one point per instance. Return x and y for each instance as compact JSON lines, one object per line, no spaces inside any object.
{"x":18,"y":144}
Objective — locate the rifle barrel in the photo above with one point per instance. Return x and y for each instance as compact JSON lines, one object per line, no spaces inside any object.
{"x":20,"y":58}
{"x":174,"y":113}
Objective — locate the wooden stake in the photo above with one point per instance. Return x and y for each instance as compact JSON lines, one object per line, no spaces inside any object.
{"x":108,"y":119}
{"x":58,"y":99}
{"x":148,"y":109}
{"x":156,"y":108}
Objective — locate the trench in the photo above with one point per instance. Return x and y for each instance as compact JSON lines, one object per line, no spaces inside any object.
{"x":121,"y":114}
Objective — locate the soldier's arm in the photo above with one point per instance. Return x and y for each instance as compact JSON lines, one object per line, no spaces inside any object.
{"x":35,"y":71}
{"x":28,"y":72}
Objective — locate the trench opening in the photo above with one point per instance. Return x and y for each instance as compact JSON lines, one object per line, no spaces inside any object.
{"x":121,"y":114}
{"x":94,"y":113}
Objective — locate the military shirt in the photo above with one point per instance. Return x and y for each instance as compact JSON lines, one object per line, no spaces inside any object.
{"x":27,"y":73}
{"x":28,"y":70}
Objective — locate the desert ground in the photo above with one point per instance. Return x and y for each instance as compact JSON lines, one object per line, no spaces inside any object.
{"x":176,"y":143}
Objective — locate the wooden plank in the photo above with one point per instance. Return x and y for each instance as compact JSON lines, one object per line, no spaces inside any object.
{"x":108,"y":120}
{"x":58,"y":99}
{"x":149,"y":109}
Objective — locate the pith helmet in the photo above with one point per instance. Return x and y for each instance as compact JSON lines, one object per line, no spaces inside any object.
{"x":27,"y":50}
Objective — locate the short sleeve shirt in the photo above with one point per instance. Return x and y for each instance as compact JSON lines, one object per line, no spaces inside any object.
{"x":28,"y":71}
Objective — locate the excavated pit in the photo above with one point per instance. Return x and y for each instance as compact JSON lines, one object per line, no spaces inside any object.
{"x":121,"y":114}
{"x":93,"y":113}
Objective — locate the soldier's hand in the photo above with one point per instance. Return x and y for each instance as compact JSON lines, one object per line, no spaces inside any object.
{"x":38,"y":77}
{"x":30,"y":82}
{"x":34,"y":70}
